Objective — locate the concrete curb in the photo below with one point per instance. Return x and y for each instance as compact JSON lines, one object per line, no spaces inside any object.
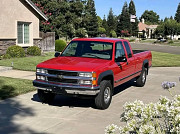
{"x":3,"y":68}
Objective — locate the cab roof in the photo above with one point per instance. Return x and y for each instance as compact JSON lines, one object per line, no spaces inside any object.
{"x":103,"y":39}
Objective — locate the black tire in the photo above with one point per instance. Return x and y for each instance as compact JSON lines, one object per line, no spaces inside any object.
{"x":141,"y":80}
{"x":103,"y":99}
{"x":45,"y":97}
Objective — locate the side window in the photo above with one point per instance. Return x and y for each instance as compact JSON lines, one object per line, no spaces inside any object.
{"x":119,"y":50}
{"x":128,"y":50}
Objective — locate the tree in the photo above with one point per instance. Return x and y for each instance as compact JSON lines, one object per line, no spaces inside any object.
{"x":111,"y":21}
{"x":104,"y":24}
{"x":99,"y":21}
{"x":90,"y":19}
{"x":134,"y":25}
{"x":123,"y":20}
{"x":113,"y":34}
{"x":150,"y":17}
{"x":169,"y":27}
{"x":81,"y":32}
{"x":101,"y":30}
{"x":177,"y":15}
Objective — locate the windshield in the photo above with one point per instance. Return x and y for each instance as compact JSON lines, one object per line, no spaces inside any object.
{"x":90,"y":49}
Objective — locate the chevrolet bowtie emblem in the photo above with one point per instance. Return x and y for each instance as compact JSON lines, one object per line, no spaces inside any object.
{"x":60,"y":76}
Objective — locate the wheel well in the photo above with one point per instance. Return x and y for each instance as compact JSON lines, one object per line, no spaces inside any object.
{"x":109,"y":77}
{"x":146,"y":65}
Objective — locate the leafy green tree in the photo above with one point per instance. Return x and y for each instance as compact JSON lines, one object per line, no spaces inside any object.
{"x":81,"y":32}
{"x":113,"y":34}
{"x":111,"y":21}
{"x":123,"y":20}
{"x":101,"y":30}
{"x":160,"y":30}
{"x":169,"y":27}
{"x":150,"y":17}
{"x":90,"y":19}
{"x":133,"y":25}
{"x":177,"y":15}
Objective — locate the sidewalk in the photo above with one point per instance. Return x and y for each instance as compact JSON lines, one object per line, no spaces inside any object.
{"x":9,"y":72}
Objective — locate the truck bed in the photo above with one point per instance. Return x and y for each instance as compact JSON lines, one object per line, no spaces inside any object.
{"x":138,"y":51}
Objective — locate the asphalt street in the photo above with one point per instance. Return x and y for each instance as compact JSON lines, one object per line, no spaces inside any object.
{"x":156,"y":47}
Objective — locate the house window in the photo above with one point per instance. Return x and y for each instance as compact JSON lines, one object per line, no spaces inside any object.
{"x":23,"y":33}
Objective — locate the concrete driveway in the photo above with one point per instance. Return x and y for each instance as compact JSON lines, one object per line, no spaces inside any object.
{"x":25,"y":114}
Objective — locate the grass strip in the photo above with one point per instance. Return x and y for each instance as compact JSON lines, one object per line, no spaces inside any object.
{"x":10,"y":87}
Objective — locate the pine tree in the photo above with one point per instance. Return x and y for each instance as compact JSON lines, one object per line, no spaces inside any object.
{"x":104,"y":23}
{"x":90,"y":19}
{"x":111,"y":21}
{"x":133,"y":25}
{"x":177,"y":15}
{"x":124,"y":21}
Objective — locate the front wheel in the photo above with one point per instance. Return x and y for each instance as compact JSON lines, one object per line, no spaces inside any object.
{"x":141,"y":80}
{"x":103,"y":99}
{"x":45,"y":97}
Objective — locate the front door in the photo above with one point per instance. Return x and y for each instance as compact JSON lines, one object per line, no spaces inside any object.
{"x":121,"y":68}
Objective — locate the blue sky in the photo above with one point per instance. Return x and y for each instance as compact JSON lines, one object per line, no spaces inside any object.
{"x":164,"y":8}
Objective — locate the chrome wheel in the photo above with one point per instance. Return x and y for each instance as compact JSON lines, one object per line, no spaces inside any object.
{"x":144,"y":77}
{"x":107,"y":95}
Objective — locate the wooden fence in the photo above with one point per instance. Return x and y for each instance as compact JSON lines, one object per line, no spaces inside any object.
{"x":47,"y":43}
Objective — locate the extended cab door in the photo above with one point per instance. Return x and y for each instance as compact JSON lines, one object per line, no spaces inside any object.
{"x":130,"y":60}
{"x":121,"y":66}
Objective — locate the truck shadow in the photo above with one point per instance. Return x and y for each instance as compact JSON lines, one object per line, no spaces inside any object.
{"x":71,"y":102}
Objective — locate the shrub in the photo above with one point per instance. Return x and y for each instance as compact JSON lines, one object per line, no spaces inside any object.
{"x":15,"y":51}
{"x":6,"y":56}
{"x":34,"y":50}
{"x":60,"y":45}
{"x":132,"y":39}
{"x":153,"y":118}
{"x":113,"y":34}
{"x":170,"y":42}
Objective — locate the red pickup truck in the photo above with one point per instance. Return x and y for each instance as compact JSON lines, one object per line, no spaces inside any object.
{"x":92,"y":67}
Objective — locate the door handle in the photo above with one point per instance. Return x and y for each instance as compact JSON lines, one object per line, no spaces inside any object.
{"x":127,"y":63}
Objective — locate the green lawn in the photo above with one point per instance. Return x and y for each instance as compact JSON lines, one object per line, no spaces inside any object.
{"x":26,"y":63}
{"x":148,"y":41}
{"x":10,"y":87}
{"x":165,"y":60}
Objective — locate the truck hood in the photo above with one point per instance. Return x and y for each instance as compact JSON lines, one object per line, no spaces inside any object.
{"x":74,"y":64}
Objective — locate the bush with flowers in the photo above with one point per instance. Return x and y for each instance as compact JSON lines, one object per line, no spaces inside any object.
{"x":162,"y":117}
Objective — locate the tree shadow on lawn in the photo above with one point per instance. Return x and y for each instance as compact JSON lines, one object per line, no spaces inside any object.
{"x":71,"y":102}
{"x":11,"y":110}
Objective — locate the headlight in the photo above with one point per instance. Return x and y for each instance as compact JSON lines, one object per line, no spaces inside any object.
{"x":41,"y":70}
{"x":85,"y":74}
{"x":41,"y":78}
{"x":91,"y":78}
{"x":85,"y":82}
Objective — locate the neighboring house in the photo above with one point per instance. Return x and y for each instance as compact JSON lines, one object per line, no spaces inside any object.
{"x":19,"y":23}
{"x":145,"y":30}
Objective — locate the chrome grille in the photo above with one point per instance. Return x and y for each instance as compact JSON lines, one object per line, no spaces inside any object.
{"x":66,"y":77}
{"x":62,"y":73}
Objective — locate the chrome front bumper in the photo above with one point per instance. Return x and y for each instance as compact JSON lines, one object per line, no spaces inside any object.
{"x":66,"y":89}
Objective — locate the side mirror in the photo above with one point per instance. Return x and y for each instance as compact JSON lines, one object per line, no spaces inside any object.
{"x":57,"y":54}
{"x":121,"y":59}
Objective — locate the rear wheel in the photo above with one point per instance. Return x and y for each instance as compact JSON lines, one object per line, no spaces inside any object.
{"x":45,"y":97}
{"x":141,"y":80}
{"x":103,"y":99}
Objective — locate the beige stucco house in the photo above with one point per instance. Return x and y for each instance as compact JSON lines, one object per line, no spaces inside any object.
{"x":147,"y":29}
{"x":19,"y":23}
